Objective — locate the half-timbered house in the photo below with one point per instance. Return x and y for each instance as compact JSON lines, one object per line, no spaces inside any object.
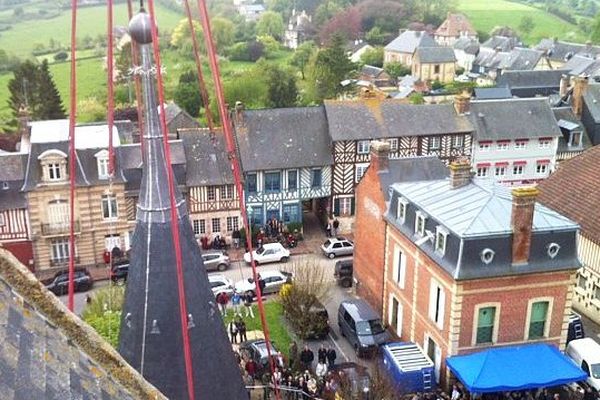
{"x":411,"y":130}
{"x":286,"y":158}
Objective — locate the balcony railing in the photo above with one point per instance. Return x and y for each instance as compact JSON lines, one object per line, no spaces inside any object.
{"x":57,"y":229}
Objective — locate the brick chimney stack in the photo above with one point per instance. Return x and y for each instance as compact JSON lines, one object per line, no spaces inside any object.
{"x":24,"y":129}
{"x":564,"y":85}
{"x":523,"y":207}
{"x":380,"y":155}
{"x":580,"y":85}
{"x":462,"y":103}
{"x":460,"y":173}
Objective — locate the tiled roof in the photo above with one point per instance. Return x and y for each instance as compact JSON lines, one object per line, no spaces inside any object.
{"x":492,"y":93}
{"x":591,"y":97}
{"x":12,"y":166}
{"x":408,"y":41}
{"x":573,"y":191}
{"x":46,"y":352}
{"x":468,"y":45}
{"x":206,"y":159}
{"x":582,"y":65}
{"x":564,"y":51}
{"x":529,"y":79}
{"x":412,"y":169}
{"x":435,"y":54}
{"x":371,"y":71}
{"x":455,"y":25}
{"x":504,"y":43}
{"x":517,"y":59}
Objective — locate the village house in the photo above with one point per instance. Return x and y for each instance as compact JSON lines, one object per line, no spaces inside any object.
{"x":356,"y":48}
{"x":250,"y":11}
{"x":501,"y":43}
{"x":467,"y":264}
{"x":491,"y":63}
{"x":298,"y":29}
{"x":285,"y":154}
{"x":177,"y":118}
{"x":402,"y":49}
{"x":574,"y":140}
{"x":465,"y":51}
{"x":558,"y":53}
{"x":434,"y":64}
{"x":376,"y":76}
{"x":412,"y":130}
{"x":455,"y":27}
{"x":532,"y":83}
{"x":577,"y":199}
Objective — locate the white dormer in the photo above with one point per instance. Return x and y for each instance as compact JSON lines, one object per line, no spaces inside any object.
{"x":102,"y":162}
{"x":54,"y":165}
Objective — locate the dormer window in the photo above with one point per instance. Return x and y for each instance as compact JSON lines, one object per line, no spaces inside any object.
{"x":420,"y":223}
{"x":54,"y":172}
{"x":102,"y":160}
{"x":401,"y":210}
{"x":487,"y":256}
{"x":363,"y":147}
{"x":575,"y":139}
{"x":553,"y":249}
{"x":441,"y":237}
{"x":5,"y":186}
{"x":53,"y":163}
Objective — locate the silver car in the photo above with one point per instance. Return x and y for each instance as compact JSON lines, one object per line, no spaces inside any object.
{"x":339,"y":246}
{"x":219,"y":283}
{"x":215,"y":260}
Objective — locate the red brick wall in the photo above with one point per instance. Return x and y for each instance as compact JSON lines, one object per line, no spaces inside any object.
{"x":369,"y":238}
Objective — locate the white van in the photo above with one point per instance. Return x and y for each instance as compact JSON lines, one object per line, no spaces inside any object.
{"x":586,"y":354}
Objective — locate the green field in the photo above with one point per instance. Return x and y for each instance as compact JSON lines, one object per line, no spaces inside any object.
{"x":91,"y":21}
{"x":487,"y":14}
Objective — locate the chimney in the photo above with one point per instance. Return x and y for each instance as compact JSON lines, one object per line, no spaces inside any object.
{"x":239,"y":113}
{"x":580,"y":85}
{"x":460,"y":173}
{"x":418,"y":33}
{"x":24,"y":129}
{"x":564,"y":85}
{"x":380,"y":153}
{"x":462,"y":103}
{"x":523,"y":206}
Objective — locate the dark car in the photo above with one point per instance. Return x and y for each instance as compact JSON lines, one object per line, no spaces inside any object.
{"x":343,"y":273}
{"x":354,"y":379}
{"x":575,"y":330}
{"x":257,"y":350}
{"x":59,"y":285}
{"x":362,"y":326}
{"x":119,"y":272}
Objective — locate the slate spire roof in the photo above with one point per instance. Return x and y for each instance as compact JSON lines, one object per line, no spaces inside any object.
{"x":151,"y":334}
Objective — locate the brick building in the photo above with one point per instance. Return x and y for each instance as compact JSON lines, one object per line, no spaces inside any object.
{"x":466,"y":265}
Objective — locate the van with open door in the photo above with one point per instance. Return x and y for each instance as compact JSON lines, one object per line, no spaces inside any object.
{"x":586,"y":354}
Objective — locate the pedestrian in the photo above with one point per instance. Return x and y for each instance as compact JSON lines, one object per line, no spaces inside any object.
{"x":328,"y":228}
{"x":248,"y":299}
{"x":106,"y":257}
{"x":293,"y":352}
{"x":222,"y":300}
{"x":242,"y":330}
{"x":336,"y":225}
{"x":321,"y":369}
{"x":456,"y":393}
{"x":233,"y":331}
{"x":556,"y":396}
{"x":235,"y":237}
{"x":331,"y":356}
{"x":261,"y":285}
{"x":266,"y":384}
{"x":322,"y":354}
{"x":236,"y":302}
{"x":251,"y":368}
{"x":306,"y":358}
{"x":588,"y":394}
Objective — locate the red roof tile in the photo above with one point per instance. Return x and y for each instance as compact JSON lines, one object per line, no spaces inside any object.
{"x":454,"y":25}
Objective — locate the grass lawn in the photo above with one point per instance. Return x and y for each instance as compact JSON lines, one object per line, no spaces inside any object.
{"x":486,"y":14}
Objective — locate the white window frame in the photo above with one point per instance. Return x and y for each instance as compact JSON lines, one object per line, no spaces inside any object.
{"x":483,"y":171}
{"x":541,"y":168}
{"x":54,"y":168}
{"x":518,"y":170}
{"x":500,"y":170}
{"x":486,"y":146}
{"x":435,"y":143}
{"x":199,"y":226}
{"x":571,"y":137}
{"x":520,"y":144}
{"x":420,"y":216}
{"x":2,"y":219}
{"x":361,"y":169}
{"x":110,"y":200}
{"x":226,"y":192}
{"x":233,"y":224}
{"x":345,"y":206}
{"x":399,"y":268}
{"x":440,"y":231}
{"x":212,"y":225}
{"x":544,"y":143}
{"x":458,"y":142}
{"x":399,"y":315}
{"x":394,"y":142}
{"x":60,"y":250}
{"x":495,"y":329}
{"x":363,"y":147}
{"x":550,"y":301}
{"x":437,"y":303}
{"x":103,"y":168}
{"x":211,"y":190}
{"x":503,"y":146}
{"x":401,"y":209}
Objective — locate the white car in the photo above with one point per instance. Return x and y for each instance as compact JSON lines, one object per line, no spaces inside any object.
{"x":270,"y":252}
{"x":219,"y":283}
{"x":273,"y":282}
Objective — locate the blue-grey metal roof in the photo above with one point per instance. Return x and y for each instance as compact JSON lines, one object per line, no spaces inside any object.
{"x":481,"y":208}
{"x":492,"y":93}
{"x":408,"y":41}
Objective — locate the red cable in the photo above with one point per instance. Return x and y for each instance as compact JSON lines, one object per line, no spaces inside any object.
{"x":111,"y":106}
{"x":201,"y":82}
{"x":72,"y":156}
{"x":174,"y":214}
{"x":212,"y":56}
{"x":138,"y":87}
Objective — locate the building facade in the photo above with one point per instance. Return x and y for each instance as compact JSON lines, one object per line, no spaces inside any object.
{"x":434,"y":64}
{"x":454,"y":27}
{"x":402,"y":49}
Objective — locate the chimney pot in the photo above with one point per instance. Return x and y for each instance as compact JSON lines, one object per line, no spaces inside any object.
{"x":460,"y":173}
{"x":523,"y":208}
{"x":580,"y":85}
{"x":564,"y":85}
{"x":462,"y":103}
{"x":380,"y":155}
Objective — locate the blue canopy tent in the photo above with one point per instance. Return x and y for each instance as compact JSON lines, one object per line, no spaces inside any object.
{"x":514,"y":368}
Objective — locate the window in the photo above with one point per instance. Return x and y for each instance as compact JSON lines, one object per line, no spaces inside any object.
{"x":399,"y":267}
{"x":102,"y":168}
{"x":420,"y":223}
{"x":363,"y":146}
{"x":575,"y":139}
{"x":393,"y":144}
{"x":596,"y":292}
{"x":226,"y":192}
{"x":216,"y":225}
{"x":291,"y":213}
{"x":487,"y":256}
{"x":346,"y":206}
{"x":401,"y":210}
{"x":541,"y":168}
{"x":395,"y":315}
{"x":458,"y":142}
{"x":232,"y":224}
{"x":537,"y":319}
{"x":544,"y":143}
{"x":486,"y":317}
{"x":292,"y":180}
{"x":272,"y":182}
{"x":199,"y":226}
{"x":553,"y":249}
{"x":360,"y":171}
{"x":436,"y":69}
{"x":484,"y":146}
{"x":520,"y":144}
{"x":112,"y":241}
{"x":441,"y":237}
{"x":251,"y":184}
{"x":435,"y":143}
{"x":581,"y":281}
{"x":109,"y":206}
{"x":2,"y":221}
{"x":482,"y":171}
{"x":54,"y":173}
{"x":500,"y":170}
{"x":211,"y":193}
{"x":503,"y":145}
{"x":436,"y":304}
{"x":518,"y":169}
{"x":316,"y":180}
{"x":5,"y":186}
{"x":60,"y":250}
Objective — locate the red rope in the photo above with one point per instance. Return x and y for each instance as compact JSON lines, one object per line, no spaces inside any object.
{"x":111,"y":106}
{"x":174,"y":214}
{"x":72,"y":155}
{"x":201,"y":82}
{"x":138,"y":84}
{"x":227,"y":129}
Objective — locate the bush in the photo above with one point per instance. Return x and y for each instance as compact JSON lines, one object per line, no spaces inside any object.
{"x":61,"y":56}
{"x":104,"y":313}
{"x":248,"y":51}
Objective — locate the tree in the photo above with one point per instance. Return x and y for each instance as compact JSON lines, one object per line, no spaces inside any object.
{"x":187,"y":94}
{"x":526,"y":25}
{"x":346,"y":24}
{"x":329,"y":67}
{"x":50,"y":102}
{"x":250,"y":51}
{"x":302,"y":56}
{"x":396,"y":69}
{"x":373,"y":57}
{"x":270,"y":24}
{"x":181,"y":37}
{"x":375,"y":36}
{"x":503,"y":31}
{"x":223,"y":32}
{"x":595,"y":36}
{"x":270,"y":45}
{"x":281,"y":84}
{"x":61,"y":56}
{"x":104,"y":313}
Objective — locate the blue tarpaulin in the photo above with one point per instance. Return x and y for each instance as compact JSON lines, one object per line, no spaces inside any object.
{"x":514,"y":368}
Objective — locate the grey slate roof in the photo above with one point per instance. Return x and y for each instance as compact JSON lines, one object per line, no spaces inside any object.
{"x":46,"y":352}
{"x":373,"y":119}
{"x":493,"y":93}
{"x":283,"y":138}
{"x":566,"y":117}
{"x":206,"y":159}
{"x":412,"y":169}
{"x":371,"y":71}
{"x":12,"y":166}
{"x":521,"y":58}
{"x":591,"y":97}
{"x":582,"y":65}
{"x":504,"y":43}
{"x":408,"y":41}
{"x":435,"y":54}
{"x":513,"y":119}
{"x":563,"y":51}
{"x":468,"y":45}
{"x":531,"y":79}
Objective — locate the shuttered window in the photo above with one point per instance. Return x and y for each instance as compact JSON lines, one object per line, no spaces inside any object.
{"x":485,"y":325}
{"x":537,"y":322}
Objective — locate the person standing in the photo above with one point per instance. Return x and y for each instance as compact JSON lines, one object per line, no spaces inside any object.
{"x":328,"y":227}
{"x":261,"y":285}
{"x":241,"y":326}
{"x":306,"y":358}
{"x":331,"y":356}
{"x":222,"y":300}
{"x":248,"y":299}
{"x":293,"y":355}
{"x":321,"y":369}
{"x":335,"y":225}
{"x":236,"y":302}
{"x":322,"y":354}
{"x":233,"y":331}
{"x":251,"y":368}
{"x":235,"y":237}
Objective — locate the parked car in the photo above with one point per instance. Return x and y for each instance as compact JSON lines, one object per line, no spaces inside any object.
{"x":586,"y":354}
{"x":119,"y":272}
{"x":335,"y":247}
{"x":59,"y":285}
{"x":361,"y":325}
{"x":215,"y":260}
{"x":257,"y":350}
{"x":269,"y":252}
{"x":219,"y":283}
{"x":274,"y":280}
{"x":575,"y":330}
{"x":343,"y":273}
{"x":359,"y":380}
